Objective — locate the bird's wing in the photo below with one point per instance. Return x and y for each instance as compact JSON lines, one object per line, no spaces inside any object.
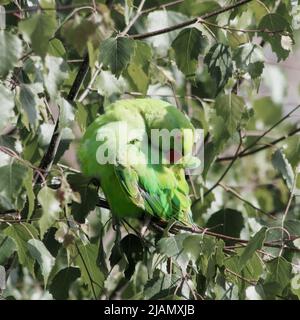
{"x":157,"y":190}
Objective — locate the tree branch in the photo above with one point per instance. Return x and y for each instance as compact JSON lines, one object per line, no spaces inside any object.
{"x":247,"y":151}
{"x":189,"y":22}
{"x":48,"y":157}
{"x":134,"y":19}
{"x":228,"y":168}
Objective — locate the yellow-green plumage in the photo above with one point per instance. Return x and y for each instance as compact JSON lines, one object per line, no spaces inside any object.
{"x":134,"y":188}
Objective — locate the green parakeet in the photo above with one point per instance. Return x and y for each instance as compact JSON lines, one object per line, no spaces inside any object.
{"x":118,"y":148}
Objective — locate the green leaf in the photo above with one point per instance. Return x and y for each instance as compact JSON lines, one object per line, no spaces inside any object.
{"x":267,"y":111}
{"x":159,"y":287}
{"x":57,"y":72}
{"x":292,"y":226}
{"x":281,"y":164}
{"x":198,"y":7}
{"x":10,"y":51}
{"x":29,"y":102}
{"x":21,"y":234}
{"x":56,"y":48}
{"x":189,"y":43}
{"x":38,"y":30}
{"x":254,"y":244}
{"x":279,"y":271}
{"x":41,"y":254}
{"x":62,"y":282}
{"x":197,"y":245}
{"x":226,"y":221}
{"x":7,"y":248}
{"x":90,"y":271}
{"x":249,"y":57}
{"x":116,"y":53}
{"x":88,"y":196}
{"x":275,"y":22}
{"x":162,"y":19}
{"x":12,"y":177}
{"x":7,"y":100}
{"x":230,"y":108}
{"x":78,"y":31}
{"x":138,"y":68}
{"x":172,"y":247}
{"x":51,"y":208}
{"x":219,"y":63}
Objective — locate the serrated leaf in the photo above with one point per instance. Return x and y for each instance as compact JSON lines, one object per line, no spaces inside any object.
{"x":279,"y":271}
{"x":277,"y":23}
{"x":7,"y":100}
{"x":249,"y":57}
{"x":90,"y":271}
{"x":292,"y":226}
{"x":51,"y":208}
{"x":173,"y":247}
{"x":230,"y":108}
{"x":12,"y":177}
{"x":21,"y":234}
{"x":281,"y":164}
{"x":38,"y":30}
{"x":41,"y":254}
{"x":116,"y":53}
{"x":219,"y":64}
{"x":10,"y":51}
{"x":189,"y":43}
{"x":7,"y":247}
{"x":254,"y":244}
{"x":62,"y":282}
{"x":159,"y":287}
{"x":138,"y":68}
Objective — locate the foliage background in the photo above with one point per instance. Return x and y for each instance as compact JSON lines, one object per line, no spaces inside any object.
{"x":63,"y":62}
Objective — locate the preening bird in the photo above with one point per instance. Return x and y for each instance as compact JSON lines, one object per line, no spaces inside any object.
{"x":138,"y":170}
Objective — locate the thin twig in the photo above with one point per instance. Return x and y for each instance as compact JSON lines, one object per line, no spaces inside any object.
{"x":287,"y":210}
{"x":162,"y":6}
{"x":240,"y":30}
{"x":237,"y":195}
{"x":228,"y":168}
{"x":38,"y":8}
{"x":247,"y":150}
{"x":252,"y":282}
{"x":189,"y":22}
{"x":134,"y":19}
